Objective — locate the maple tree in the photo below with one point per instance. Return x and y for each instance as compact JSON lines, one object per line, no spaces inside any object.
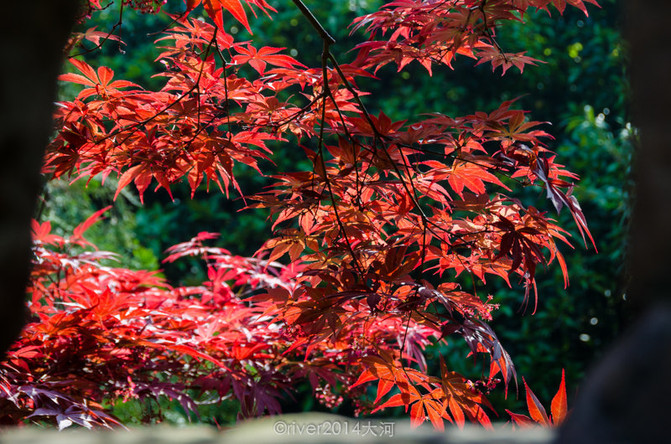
{"x":378,"y":233}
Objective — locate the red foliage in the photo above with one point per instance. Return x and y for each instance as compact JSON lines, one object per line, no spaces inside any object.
{"x":99,"y":332}
{"x":538,"y":414}
{"x":376,"y":233}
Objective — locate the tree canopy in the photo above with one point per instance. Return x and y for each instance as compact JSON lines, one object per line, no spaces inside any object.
{"x":383,"y":247}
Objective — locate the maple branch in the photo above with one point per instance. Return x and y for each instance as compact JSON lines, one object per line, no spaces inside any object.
{"x":327,"y":93}
{"x":489,"y":33}
{"x":118,"y":24}
{"x":137,"y":125}
{"x":326,"y":54}
{"x":225,"y":64}
{"x":300,"y":112}
{"x":314,"y":22}
{"x":377,"y":135}
{"x":328,"y":40}
{"x":356,"y":96}
{"x":411,"y":190}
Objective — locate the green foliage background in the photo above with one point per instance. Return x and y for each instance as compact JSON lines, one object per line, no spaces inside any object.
{"x":582,"y":89}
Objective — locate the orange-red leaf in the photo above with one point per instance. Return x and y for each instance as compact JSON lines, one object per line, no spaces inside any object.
{"x":395,"y":401}
{"x":190,"y":4}
{"x":383,"y":387}
{"x":559,"y":404}
{"x":258,"y":59}
{"x":521,"y":420}
{"x":127,"y":177}
{"x":78,"y":232}
{"x":457,"y":412}
{"x":182,"y":348}
{"x":214,"y":8}
{"x":42,"y":233}
{"x":536,"y":409}
{"x":89,"y":77}
{"x":435,"y":414}
{"x":417,"y":416}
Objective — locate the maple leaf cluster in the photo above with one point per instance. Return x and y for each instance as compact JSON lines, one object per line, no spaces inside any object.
{"x":435,"y":32}
{"x":99,"y":331}
{"x":377,"y":233}
{"x":559,"y":408}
